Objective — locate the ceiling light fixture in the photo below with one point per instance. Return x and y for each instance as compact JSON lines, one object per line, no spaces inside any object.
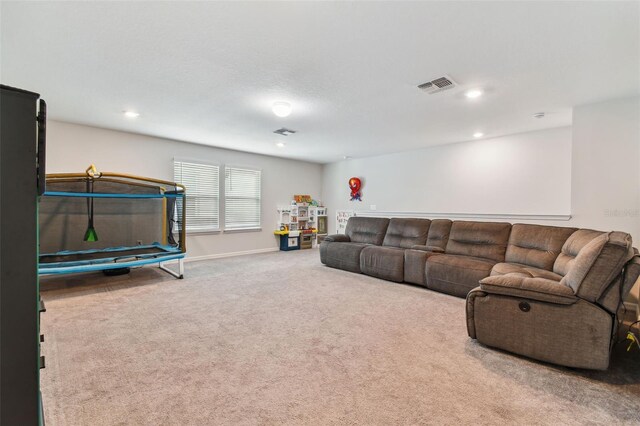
{"x":478,"y":134}
{"x":538,"y":115}
{"x":281,"y":109}
{"x":131,"y":114}
{"x":284,"y":131}
{"x":473,"y":93}
{"x":280,"y":144}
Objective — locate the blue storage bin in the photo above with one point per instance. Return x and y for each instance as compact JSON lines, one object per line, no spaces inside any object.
{"x":287,"y":242}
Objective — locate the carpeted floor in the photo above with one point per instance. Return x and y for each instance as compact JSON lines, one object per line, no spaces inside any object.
{"x":279,"y":338}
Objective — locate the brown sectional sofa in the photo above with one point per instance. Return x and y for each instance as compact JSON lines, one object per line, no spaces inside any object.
{"x":387,"y":261}
{"x":521,"y":281}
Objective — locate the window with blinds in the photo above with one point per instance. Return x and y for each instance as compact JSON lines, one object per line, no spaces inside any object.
{"x":242,"y":198}
{"x":201,"y":181}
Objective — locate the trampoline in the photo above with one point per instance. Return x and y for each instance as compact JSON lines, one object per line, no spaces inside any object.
{"x":96,"y":221}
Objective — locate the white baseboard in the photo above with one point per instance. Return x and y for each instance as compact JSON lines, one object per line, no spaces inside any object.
{"x":230,"y":254}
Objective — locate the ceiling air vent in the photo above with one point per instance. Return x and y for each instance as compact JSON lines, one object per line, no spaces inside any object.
{"x":438,"y":85}
{"x":284,"y":131}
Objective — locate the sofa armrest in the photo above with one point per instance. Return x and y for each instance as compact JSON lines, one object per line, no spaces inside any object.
{"x":433,"y":249}
{"x":337,"y":238}
{"x":541,"y":289}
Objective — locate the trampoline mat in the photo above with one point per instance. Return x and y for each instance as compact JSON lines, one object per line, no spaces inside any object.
{"x":96,"y":255}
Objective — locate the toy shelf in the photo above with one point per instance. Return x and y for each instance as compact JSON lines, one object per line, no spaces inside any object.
{"x":302,"y":221}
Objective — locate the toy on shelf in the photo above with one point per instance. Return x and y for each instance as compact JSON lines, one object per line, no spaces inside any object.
{"x":302,"y":199}
{"x":300,"y":223}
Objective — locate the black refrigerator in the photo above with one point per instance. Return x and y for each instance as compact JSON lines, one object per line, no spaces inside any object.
{"x":22,"y":181}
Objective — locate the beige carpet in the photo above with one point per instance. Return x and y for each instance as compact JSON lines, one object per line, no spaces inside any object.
{"x":279,"y":338}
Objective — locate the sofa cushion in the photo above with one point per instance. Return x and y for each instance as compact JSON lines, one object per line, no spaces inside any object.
{"x":433,"y":249}
{"x":336,"y":238}
{"x":439,"y":233}
{"x":415,"y":261}
{"x":572,"y":247}
{"x":369,"y":230}
{"x":383,"y":262}
{"x":540,"y":289}
{"x":343,"y":255}
{"x":405,"y":233}
{"x":523,"y":271}
{"x":536,"y":245}
{"x":597,"y":264}
{"x":487,"y":240}
{"x":456,"y":275}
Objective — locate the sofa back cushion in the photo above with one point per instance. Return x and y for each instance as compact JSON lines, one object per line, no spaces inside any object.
{"x":368,"y":230}
{"x":572,"y":247}
{"x":487,"y":240}
{"x":536,"y":245}
{"x":407,"y":232}
{"x":439,"y":233}
{"x":597,"y":264}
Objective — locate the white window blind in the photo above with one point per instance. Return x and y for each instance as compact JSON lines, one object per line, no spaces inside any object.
{"x":201,"y":181}
{"x":242,"y":198}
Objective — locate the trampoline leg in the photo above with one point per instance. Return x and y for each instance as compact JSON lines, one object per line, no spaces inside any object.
{"x":179,"y":274}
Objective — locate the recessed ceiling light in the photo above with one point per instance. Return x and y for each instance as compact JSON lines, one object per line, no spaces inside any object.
{"x":131,"y":114}
{"x":346,"y":157}
{"x":473,"y":93}
{"x":281,"y":109}
{"x":280,"y":144}
{"x":478,"y":134}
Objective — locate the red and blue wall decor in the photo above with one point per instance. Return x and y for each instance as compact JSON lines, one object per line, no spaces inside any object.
{"x":355,"y":184}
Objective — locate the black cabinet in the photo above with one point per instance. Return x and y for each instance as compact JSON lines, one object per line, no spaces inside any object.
{"x":22,"y":148}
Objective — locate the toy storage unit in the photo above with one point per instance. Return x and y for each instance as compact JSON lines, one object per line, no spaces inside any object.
{"x":306,"y":240}
{"x":289,"y":240}
{"x":298,"y":218}
{"x":301,"y":223}
{"x":318,"y":216}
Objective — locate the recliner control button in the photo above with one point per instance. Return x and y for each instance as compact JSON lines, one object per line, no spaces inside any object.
{"x":524,"y":307}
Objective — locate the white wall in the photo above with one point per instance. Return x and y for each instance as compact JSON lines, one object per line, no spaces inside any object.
{"x":71,"y":148}
{"x":606,"y":166}
{"x":523,"y":174}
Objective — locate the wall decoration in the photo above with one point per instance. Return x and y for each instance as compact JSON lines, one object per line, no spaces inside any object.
{"x":342,"y":216}
{"x":355,"y":184}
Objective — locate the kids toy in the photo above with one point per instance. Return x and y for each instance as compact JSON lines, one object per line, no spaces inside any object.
{"x":355,"y":184}
{"x":90,"y":234}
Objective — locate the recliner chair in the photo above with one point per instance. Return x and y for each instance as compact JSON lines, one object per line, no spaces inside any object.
{"x":571,"y":322}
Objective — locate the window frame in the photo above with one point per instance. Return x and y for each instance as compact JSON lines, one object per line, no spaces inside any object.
{"x":224,"y":199}
{"x":218,"y":166}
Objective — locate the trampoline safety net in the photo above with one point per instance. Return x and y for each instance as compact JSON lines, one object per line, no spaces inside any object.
{"x":84,"y":215}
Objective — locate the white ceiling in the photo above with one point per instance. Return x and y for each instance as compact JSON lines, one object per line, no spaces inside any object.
{"x":209,"y":72}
